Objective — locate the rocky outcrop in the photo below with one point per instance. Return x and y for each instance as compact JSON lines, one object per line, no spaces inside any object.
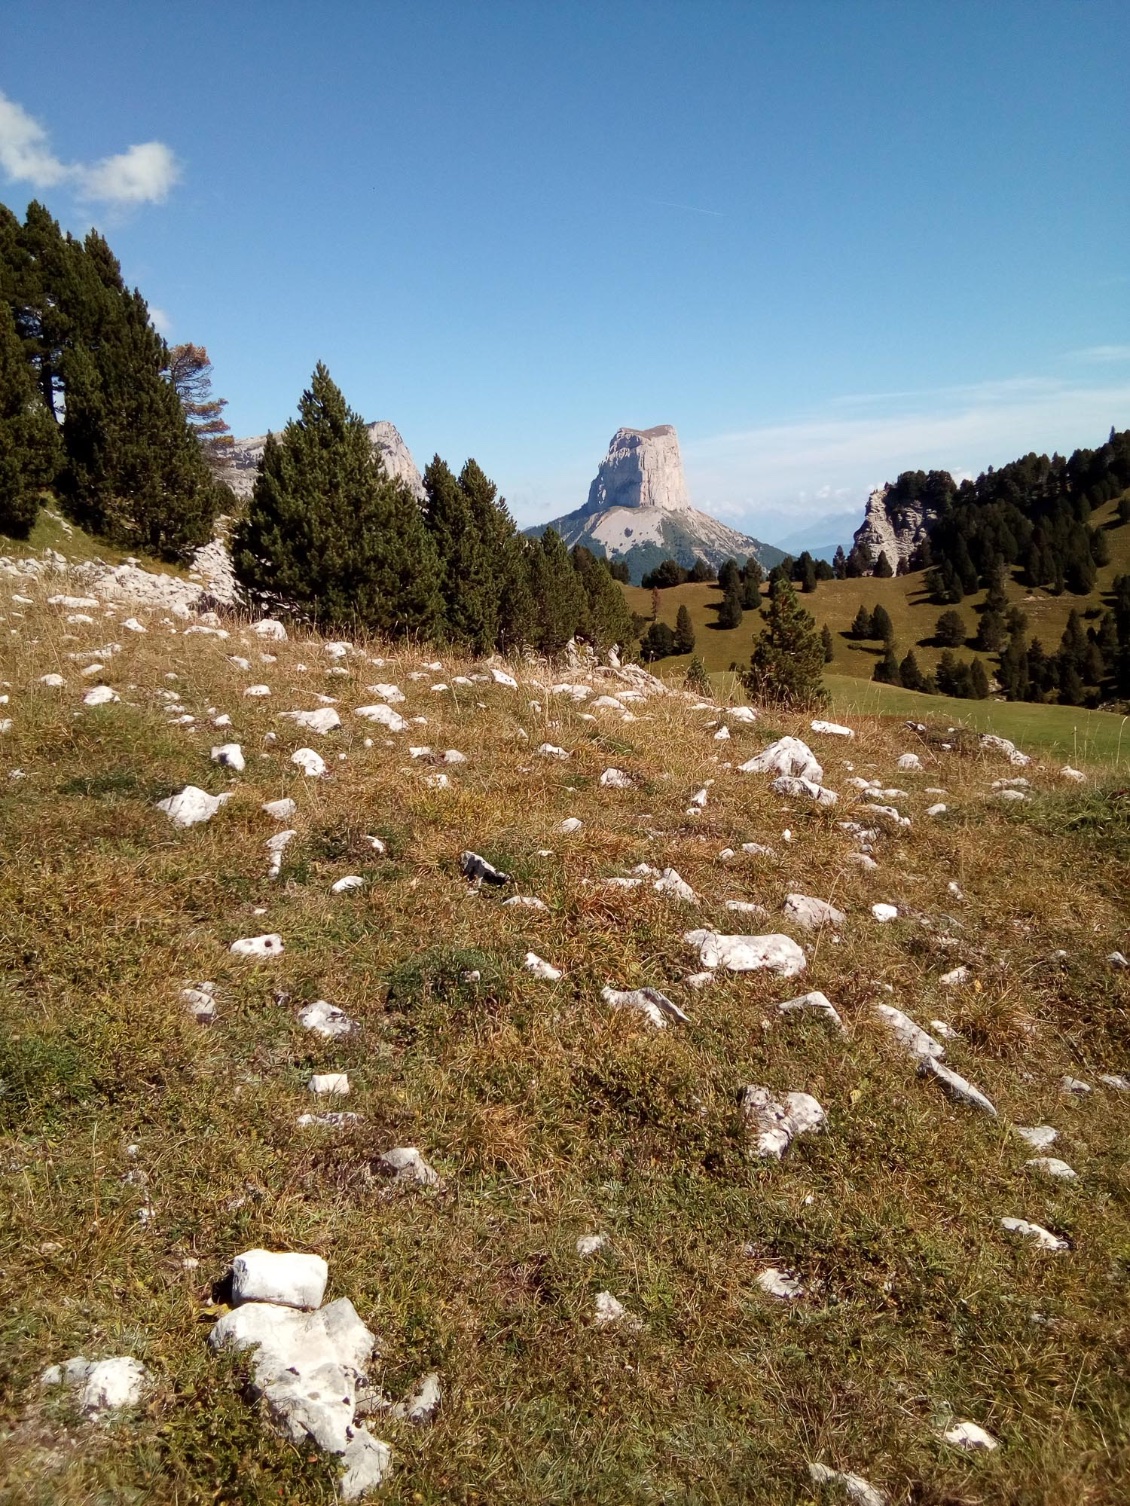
{"x":639,"y":510}
{"x":893,"y":529}
{"x":245,"y":455}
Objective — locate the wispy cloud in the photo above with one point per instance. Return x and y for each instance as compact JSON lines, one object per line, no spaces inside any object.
{"x":1102,"y":353}
{"x":160,"y":321}
{"x":690,"y":208}
{"x":757,"y":476}
{"x":142,"y":174}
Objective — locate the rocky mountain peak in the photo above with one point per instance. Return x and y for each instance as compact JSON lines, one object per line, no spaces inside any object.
{"x":643,"y":468}
{"x":893,"y":529}
{"x":245,"y":454}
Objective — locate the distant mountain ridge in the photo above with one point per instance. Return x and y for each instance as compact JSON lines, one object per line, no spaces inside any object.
{"x":245,"y":454}
{"x":639,"y":511}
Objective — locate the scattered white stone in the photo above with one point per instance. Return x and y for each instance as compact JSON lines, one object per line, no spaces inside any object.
{"x":908,"y":1034}
{"x":615,"y":779}
{"x":309,"y":1367}
{"x":789,"y":756}
{"x":392,"y":694}
{"x":74,"y":603}
{"x":722,"y":735}
{"x":995,"y":744}
{"x":955,"y":1085}
{"x":269,"y":627}
{"x":270,"y":945}
{"x":476,"y":868}
{"x":746,"y":954}
{"x":334,"y":1084}
{"x":1011,"y":795}
{"x":699,"y":799}
{"x":500,"y":677}
{"x":591,"y":1244}
{"x":384,"y":715}
{"x":1075,"y":775}
{"x":1116,"y":959}
{"x":855,"y":1487}
{"x":438,"y":781}
{"x":815,"y":1003}
{"x":551,"y":750}
{"x":736,"y":713}
{"x":100,"y":695}
{"x":778,"y":1120}
{"x":191,"y":806}
{"x":758,"y":850}
{"x":1115,"y":1080}
{"x":280,"y":810}
{"x":1071,"y":1084}
{"x":541,"y":969}
{"x":312,"y":764}
{"x":669,"y":883}
{"x":344,"y":885}
{"x":324,"y":720}
{"x":609,"y":1311}
{"x":240,"y":662}
{"x":570,"y":825}
{"x":831,"y":729}
{"x":863,"y":860}
{"x":326,"y":1019}
{"x":745,"y":907}
{"x":655,"y":1007}
{"x":56,"y":682}
{"x":780,"y":1284}
{"x":970,"y":1436}
{"x":938,"y":809}
{"x":407,"y":1167}
{"x":810,"y":914}
{"x":888,"y":813}
{"x":453,"y":755}
{"x":200,"y":1001}
{"x":1038,"y":1136}
{"x":884,"y":913}
{"x":230,"y":755}
{"x":284,"y":1278}
{"x":102,"y":1386}
{"x":947,"y":1032}
{"x":1044,"y":1238}
{"x":257,"y":692}
{"x":803,"y":789}
{"x":526,"y":902}
{"x":955,"y":977}
{"x":1051,"y":1166}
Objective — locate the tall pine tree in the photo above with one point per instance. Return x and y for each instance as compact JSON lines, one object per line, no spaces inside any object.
{"x":329,"y":533}
{"x":788,"y":659}
{"x":29,"y":436}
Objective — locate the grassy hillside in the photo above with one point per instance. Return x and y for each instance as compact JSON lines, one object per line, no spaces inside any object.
{"x":142,"y":1151}
{"x":904,"y":597}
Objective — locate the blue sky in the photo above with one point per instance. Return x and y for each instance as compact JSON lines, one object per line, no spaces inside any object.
{"x":827,"y":241}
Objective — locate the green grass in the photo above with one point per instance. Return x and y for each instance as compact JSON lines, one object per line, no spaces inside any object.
{"x":548,"y":1115}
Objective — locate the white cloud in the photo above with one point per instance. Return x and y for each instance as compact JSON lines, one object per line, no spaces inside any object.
{"x":752,"y":478}
{"x":1103,"y":353}
{"x":160,"y":321}
{"x":142,"y":174}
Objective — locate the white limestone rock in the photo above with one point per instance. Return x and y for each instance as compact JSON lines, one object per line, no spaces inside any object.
{"x":789,"y":756}
{"x":270,"y":945}
{"x":909,"y":761}
{"x":778,"y":1120}
{"x":56,"y":682}
{"x":191,"y":806}
{"x":326,"y":1019}
{"x":655,"y":1007}
{"x":615,"y":779}
{"x":570,"y":825}
{"x":831,"y":729}
{"x":329,"y":1084}
{"x":1115,"y":1080}
{"x":971,"y":1437}
{"x":803,"y":789}
{"x":885,"y":913}
{"x":551,"y":750}
{"x":813,"y":1003}
{"x":955,"y":1085}
{"x":672,"y":886}
{"x":1075,"y":1085}
{"x":610,"y":1312}
{"x":230,"y":755}
{"x":908,"y":1034}
{"x":747,"y":954}
{"x":500,"y":677}
{"x":855,"y":1487}
{"x":780,"y":1284}
{"x":1038,"y":1136}
{"x":810,"y":914}
{"x":349,"y":882}
{"x":100,"y":695}
{"x":994,"y":744}
{"x":324,"y":720}
{"x":288,"y":1279}
{"x":939,"y":808}
{"x":258,"y":692}
{"x":391,"y":694}
{"x":311,"y":762}
{"x":200,"y":1001}
{"x":591,"y":1244}
{"x":384,"y":715}
{"x":1043,"y":1238}
{"x":280,"y":810}
{"x":407,"y":1167}
{"x":525,"y":902}
{"x":476,"y":868}
{"x":955,"y":977}
{"x":1076,"y":776}
{"x":101,"y":1386}
{"x":1052,"y":1166}
{"x":541,"y":969}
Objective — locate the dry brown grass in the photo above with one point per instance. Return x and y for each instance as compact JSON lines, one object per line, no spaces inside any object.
{"x":547,"y":1115}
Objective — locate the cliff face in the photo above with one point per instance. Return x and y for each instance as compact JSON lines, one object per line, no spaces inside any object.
{"x":643,"y":468}
{"x":639,"y":510}
{"x":245,"y":455}
{"x":893,"y":530}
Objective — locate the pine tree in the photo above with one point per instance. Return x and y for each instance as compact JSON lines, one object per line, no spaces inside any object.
{"x":887,"y":669}
{"x":730,"y":612}
{"x":881,"y":625}
{"x":657,"y":643}
{"x":978,"y":680}
{"x":807,"y":573}
{"x":29,"y":437}
{"x":190,"y":372}
{"x":684,"y":632}
{"x":729,"y":575}
{"x":607,"y":620}
{"x":883,"y":566}
{"x":829,"y":644}
{"x":788,"y":659}
{"x":329,"y":534}
{"x":472,"y":534}
{"x":839,"y":563}
{"x":910,"y":676}
{"x":697,"y":680}
{"x":861,"y":625}
{"x":558,"y":593}
{"x":750,"y":592}
{"x":950,"y":630}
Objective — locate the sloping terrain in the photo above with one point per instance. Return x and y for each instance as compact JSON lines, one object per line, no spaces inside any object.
{"x":143,"y":1150}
